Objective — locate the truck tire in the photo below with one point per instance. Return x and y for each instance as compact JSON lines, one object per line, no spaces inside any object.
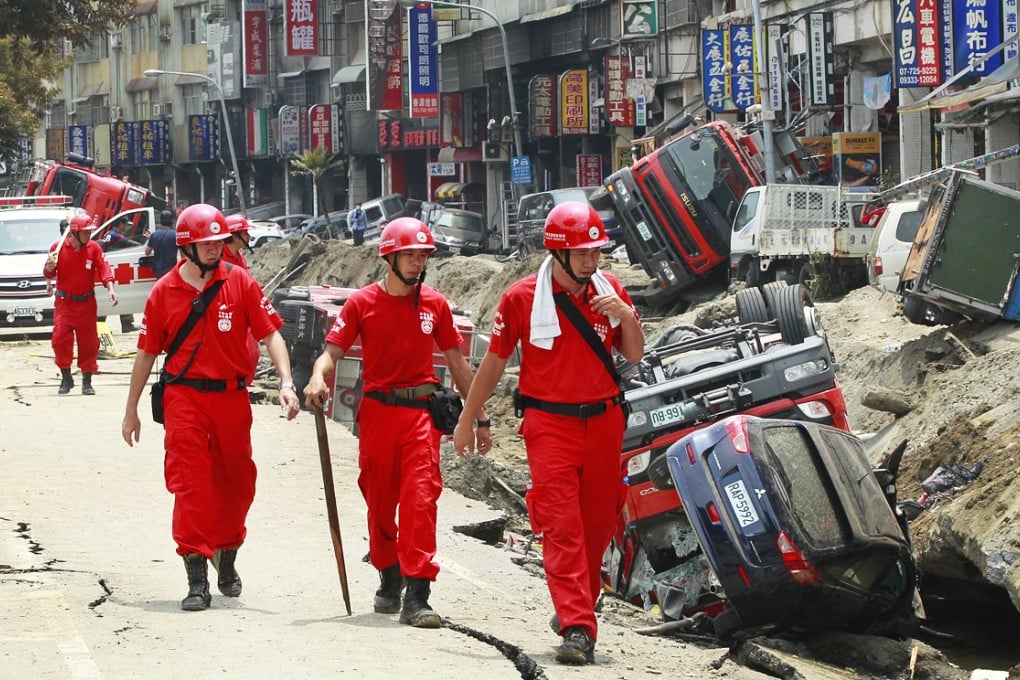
{"x":795,"y":314}
{"x":770,"y":291}
{"x":659,"y":474}
{"x":751,"y":306}
{"x":924,"y":313}
{"x":806,"y":275}
{"x":749,"y":273}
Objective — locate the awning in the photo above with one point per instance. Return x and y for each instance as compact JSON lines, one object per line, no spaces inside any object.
{"x":350,"y":74}
{"x":450,"y":154}
{"x":927,"y":102}
{"x":93,"y":90}
{"x":143,"y":8}
{"x":994,"y":83}
{"x":449,"y":191}
{"x":142,"y":84}
{"x":290,"y":74}
{"x":547,"y":13}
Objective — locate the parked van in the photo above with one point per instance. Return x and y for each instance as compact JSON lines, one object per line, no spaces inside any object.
{"x":891,"y":243}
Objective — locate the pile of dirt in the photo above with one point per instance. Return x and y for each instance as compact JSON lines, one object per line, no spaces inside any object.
{"x":962,"y":384}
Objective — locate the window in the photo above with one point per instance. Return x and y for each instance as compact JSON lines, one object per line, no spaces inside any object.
{"x":194,"y":103}
{"x":144,"y":34}
{"x":192,"y":28}
{"x":141,"y":106}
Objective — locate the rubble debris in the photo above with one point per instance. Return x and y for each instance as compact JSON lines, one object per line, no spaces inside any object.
{"x":887,"y":400}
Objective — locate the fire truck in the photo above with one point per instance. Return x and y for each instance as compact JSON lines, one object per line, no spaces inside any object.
{"x":676,"y":204}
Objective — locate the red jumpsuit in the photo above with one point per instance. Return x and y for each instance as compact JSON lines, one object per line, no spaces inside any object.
{"x":398,"y":445}
{"x":576,"y":482}
{"x":208,"y":464}
{"x":254,"y":353}
{"x":74,"y":308}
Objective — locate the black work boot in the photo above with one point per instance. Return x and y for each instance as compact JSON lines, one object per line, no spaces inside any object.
{"x":416,"y":611}
{"x":86,"y":384}
{"x":387,"y":598}
{"x":228,"y":581}
{"x":66,"y":382}
{"x":198,"y":583}
{"x":577,"y":647}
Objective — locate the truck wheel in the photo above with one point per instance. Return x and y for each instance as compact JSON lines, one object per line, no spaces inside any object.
{"x":751,"y":306}
{"x":659,"y":474}
{"x":924,"y":313}
{"x":795,"y":314}
{"x":600,"y":199}
{"x":769,"y":291}
{"x":749,"y":273}
{"x":806,"y":275}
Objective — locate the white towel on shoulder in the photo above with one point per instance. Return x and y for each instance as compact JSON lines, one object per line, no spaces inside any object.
{"x":545,"y":325}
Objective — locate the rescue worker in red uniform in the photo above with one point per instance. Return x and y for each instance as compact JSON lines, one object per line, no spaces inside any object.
{"x":77,"y":267}
{"x":207,"y":414}
{"x":573,"y":422}
{"x":399,"y":321}
{"x":237,"y":227}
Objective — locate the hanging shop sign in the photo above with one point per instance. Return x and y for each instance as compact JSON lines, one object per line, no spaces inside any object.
{"x":255,"y":43}
{"x":301,"y":27}
{"x":574,"y":102}
{"x":423,"y":61}
{"x":542,"y":106}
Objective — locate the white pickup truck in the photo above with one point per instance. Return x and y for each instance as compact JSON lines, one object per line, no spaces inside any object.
{"x":778,"y":228}
{"x":26,"y":233}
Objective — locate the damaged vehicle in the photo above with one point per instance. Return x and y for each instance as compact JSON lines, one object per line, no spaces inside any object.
{"x":801,"y":534}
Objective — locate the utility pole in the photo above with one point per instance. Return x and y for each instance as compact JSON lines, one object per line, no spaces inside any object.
{"x":767,"y":114}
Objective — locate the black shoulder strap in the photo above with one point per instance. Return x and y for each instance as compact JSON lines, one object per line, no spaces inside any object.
{"x":564,"y":302}
{"x":198,"y":307}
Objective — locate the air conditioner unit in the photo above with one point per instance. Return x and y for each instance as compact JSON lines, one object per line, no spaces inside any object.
{"x":165,"y":33}
{"x":116,"y":112}
{"x":156,"y":110}
{"x":115,"y":40}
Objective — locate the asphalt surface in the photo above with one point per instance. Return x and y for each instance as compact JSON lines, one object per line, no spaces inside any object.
{"x":90,"y":585}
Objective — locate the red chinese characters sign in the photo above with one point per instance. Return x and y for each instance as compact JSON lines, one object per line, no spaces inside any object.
{"x":301,"y":27}
{"x":589,"y":170}
{"x":619,"y":107}
{"x":574,"y":108}
{"x":406,"y":133}
{"x":256,"y":43}
{"x":323,"y":127}
{"x":542,"y":106}
{"x":385,"y":70}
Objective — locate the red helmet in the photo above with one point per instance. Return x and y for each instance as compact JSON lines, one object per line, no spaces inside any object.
{"x":405,"y":233}
{"x":237,"y":222}
{"x":81,"y":222}
{"x":574,"y":225}
{"x":199,"y":223}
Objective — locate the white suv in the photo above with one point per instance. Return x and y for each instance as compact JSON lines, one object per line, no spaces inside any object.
{"x":26,"y":234}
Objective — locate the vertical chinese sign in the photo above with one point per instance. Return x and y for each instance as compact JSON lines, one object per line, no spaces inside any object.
{"x":291,"y":139}
{"x":977,"y":28}
{"x":203,"y":137}
{"x":820,"y":37}
{"x":742,"y":57}
{"x":574,"y":109}
{"x":78,"y":139}
{"x":152,"y":142}
{"x":619,"y":107}
{"x":384,"y":79}
{"x":301,"y":26}
{"x":917,"y":43}
{"x":589,"y":170}
{"x":715,"y":84}
{"x":256,"y":43}
{"x":542,"y":108}
{"x":124,"y":143}
{"x":422,"y":58}
{"x":324,"y":128}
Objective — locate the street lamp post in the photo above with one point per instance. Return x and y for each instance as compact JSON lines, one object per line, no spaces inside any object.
{"x":514,"y":114}
{"x":152,"y":72}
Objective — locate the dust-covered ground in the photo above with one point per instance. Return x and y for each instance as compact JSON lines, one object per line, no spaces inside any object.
{"x":959,"y":384}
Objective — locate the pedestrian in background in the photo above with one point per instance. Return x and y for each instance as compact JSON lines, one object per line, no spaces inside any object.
{"x":573,"y":421}
{"x":162,"y":245}
{"x":75,"y":269}
{"x":399,"y":320}
{"x":207,"y":413}
{"x":357,"y":222}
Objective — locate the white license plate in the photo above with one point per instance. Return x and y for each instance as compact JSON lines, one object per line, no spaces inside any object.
{"x":643,"y":230}
{"x":665,"y":415}
{"x":25,"y":311}
{"x":740,"y":501}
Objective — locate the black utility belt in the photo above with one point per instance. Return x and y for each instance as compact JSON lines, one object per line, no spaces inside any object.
{"x":399,"y":397}
{"x":207,"y":385}
{"x":582,"y":411}
{"x":75,"y":298}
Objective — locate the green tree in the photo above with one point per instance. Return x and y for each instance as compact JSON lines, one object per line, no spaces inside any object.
{"x":26,"y":89}
{"x":317,"y":163}
{"x":43,"y":23}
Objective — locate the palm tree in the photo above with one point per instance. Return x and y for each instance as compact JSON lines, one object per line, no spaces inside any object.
{"x":316,"y":163}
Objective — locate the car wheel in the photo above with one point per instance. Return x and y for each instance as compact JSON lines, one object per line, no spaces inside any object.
{"x":795,"y":321}
{"x":726,"y":623}
{"x":751,"y":306}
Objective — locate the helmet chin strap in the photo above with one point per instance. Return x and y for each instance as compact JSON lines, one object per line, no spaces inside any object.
{"x":192,"y":255}
{"x":415,"y":281}
{"x":563,"y":257}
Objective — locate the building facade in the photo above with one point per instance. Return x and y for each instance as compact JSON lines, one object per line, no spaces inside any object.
{"x":447,"y":98}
